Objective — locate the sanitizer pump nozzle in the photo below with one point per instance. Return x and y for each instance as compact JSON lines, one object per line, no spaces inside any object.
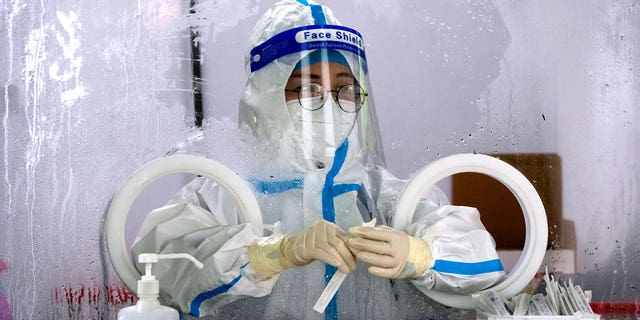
{"x":148,"y":306}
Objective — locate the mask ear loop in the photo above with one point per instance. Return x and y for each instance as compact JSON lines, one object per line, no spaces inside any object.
{"x":535,"y":218}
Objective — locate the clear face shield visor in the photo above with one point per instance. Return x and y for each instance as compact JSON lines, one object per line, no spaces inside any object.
{"x":326,"y":88}
{"x":323,"y":98}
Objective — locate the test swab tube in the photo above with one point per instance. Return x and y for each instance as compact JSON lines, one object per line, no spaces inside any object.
{"x":329,"y":291}
{"x":335,"y":282}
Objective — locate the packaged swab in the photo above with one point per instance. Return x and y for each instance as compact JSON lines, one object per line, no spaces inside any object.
{"x":498,"y":304}
{"x":583,"y":299}
{"x":522,"y":304}
{"x":541,"y":305}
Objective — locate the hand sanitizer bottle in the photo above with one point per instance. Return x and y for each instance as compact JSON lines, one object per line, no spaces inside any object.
{"x":148,"y":306}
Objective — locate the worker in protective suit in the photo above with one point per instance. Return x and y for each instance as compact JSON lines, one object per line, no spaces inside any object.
{"x":308,"y":105}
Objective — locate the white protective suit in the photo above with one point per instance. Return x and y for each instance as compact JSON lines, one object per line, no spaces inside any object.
{"x":347,"y":186}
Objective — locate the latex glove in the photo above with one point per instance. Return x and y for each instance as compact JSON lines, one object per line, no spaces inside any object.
{"x":322,"y":241}
{"x":390,"y":252}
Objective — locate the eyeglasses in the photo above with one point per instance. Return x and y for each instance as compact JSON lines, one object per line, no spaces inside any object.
{"x":312,"y":96}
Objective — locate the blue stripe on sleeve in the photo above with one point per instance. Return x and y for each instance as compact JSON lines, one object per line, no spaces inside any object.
{"x":197,"y":302}
{"x":468,"y":268}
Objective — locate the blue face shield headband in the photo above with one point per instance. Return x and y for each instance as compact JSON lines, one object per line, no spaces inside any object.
{"x":314,"y":37}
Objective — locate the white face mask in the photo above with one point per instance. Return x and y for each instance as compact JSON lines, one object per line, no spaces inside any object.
{"x":321,"y":131}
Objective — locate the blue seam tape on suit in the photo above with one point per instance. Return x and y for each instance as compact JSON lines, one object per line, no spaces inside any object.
{"x":329,"y":191}
{"x":270,"y":187}
{"x":317,"y":14}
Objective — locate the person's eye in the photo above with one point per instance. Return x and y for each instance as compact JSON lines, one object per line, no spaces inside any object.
{"x":305,"y":91}
{"x":342,"y":86}
{"x":311,"y":90}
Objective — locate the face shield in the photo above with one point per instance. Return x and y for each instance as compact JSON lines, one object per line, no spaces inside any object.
{"x":308,"y":91}
{"x":323,"y":99}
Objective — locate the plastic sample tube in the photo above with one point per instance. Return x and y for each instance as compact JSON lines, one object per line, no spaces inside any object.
{"x":335,"y":282}
{"x":329,"y":291}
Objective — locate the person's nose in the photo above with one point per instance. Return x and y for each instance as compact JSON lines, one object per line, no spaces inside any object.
{"x":334,"y":95}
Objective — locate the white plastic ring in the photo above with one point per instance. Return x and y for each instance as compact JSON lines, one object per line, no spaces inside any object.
{"x":248,"y":208}
{"x":535,"y":218}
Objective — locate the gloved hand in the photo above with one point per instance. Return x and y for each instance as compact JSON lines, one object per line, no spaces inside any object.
{"x":322,"y":241}
{"x":390,"y":252}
